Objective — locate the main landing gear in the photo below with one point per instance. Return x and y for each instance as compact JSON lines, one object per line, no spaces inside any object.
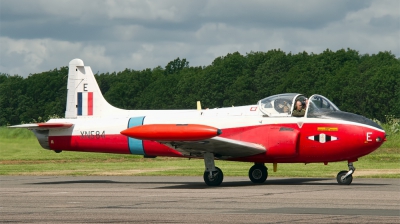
{"x":258,"y":173}
{"x":346,"y":177}
{"x":213,"y":176}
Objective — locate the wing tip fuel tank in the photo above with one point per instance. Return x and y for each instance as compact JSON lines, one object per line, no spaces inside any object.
{"x":172,"y":132}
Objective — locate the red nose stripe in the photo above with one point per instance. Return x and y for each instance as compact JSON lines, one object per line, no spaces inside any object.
{"x":172,"y":132}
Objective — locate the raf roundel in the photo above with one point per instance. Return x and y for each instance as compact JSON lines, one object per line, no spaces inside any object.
{"x":322,"y":138}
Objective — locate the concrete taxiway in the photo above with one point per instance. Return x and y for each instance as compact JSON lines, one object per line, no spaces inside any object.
{"x":128,"y":199}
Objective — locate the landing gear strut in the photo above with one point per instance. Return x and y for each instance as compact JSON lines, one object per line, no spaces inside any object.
{"x":258,"y":173}
{"x":346,"y":177}
{"x":213,"y":175}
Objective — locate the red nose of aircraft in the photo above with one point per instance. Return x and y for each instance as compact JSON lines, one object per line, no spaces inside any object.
{"x":373,"y":139}
{"x":371,"y":134}
{"x":172,"y":132}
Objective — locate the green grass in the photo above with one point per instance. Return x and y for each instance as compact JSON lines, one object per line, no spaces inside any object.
{"x":15,"y":133}
{"x":393,"y":136}
{"x":21,"y":154}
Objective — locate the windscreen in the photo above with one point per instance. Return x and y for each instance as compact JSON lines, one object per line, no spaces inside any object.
{"x":318,"y":105}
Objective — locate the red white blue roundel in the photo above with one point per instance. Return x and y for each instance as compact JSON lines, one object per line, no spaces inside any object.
{"x":322,"y":138}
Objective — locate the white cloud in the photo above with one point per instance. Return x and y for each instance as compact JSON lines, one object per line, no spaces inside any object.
{"x":29,"y":56}
{"x":113,"y":35}
{"x":24,"y":56}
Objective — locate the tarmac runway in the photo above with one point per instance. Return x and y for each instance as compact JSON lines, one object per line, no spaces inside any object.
{"x":153,"y":199}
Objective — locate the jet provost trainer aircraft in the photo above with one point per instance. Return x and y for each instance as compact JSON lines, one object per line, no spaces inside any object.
{"x":262,"y":133}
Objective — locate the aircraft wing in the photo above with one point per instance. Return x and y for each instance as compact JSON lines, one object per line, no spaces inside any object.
{"x":194,"y":140}
{"x":43,"y":126}
{"x":221,"y":147}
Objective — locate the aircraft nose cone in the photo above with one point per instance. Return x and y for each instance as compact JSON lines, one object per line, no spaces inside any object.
{"x":372,"y":123}
{"x":374,"y":135}
{"x":346,"y":116}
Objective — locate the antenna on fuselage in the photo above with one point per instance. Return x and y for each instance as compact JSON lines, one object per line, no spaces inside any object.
{"x":198,"y":105}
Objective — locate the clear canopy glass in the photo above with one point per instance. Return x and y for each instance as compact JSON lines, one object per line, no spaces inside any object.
{"x":282,"y":105}
{"x":318,"y":105}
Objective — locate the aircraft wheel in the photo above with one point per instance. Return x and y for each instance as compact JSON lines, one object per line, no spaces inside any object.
{"x":344,"y":181}
{"x":215,"y":179}
{"x":258,"y":174}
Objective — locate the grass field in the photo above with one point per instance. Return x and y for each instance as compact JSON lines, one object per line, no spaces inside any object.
{"x":21,"y":154}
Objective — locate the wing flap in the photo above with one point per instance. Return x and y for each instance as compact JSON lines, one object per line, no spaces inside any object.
{"x":221,"y":147}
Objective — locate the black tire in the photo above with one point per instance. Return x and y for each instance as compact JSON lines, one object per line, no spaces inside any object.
{"x":216,"y":179}
{"x":258,"y":174}
{"x":346,"y":181}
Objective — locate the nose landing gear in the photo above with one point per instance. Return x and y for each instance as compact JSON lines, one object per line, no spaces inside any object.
{"x":346,"y":177}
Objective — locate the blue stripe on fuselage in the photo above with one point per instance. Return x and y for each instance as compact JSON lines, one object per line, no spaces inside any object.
{"x":79,"y":103}
{"x":135,"y":145}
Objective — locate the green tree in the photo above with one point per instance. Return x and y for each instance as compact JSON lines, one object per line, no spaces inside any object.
{"x":176,"y":66}
{"x":362,"y":84}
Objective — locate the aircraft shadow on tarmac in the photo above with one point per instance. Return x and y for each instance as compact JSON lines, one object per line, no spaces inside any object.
{"x":288,"y":181}
{"x":201,"y":185}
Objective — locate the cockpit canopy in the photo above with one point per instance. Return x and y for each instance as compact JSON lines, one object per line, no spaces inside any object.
{"x":282,"y":105}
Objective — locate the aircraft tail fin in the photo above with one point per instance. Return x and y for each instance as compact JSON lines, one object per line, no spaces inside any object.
{"x":84,"y":98}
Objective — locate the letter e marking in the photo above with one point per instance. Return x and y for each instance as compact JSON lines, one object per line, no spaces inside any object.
{"x":369,"y":136}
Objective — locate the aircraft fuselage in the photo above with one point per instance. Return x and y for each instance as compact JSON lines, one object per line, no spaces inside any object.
{"x":286,"y":140}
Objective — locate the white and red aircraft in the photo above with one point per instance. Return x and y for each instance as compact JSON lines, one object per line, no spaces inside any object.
{"x":262,"y":133}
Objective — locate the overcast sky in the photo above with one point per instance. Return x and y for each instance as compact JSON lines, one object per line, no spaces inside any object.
{"x":110,"y":36}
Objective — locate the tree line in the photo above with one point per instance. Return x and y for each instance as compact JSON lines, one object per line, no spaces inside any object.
{"x":359,"y":83}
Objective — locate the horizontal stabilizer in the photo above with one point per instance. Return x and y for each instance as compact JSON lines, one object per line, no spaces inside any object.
{"x":172,"y":132}
{"x":43,"y":126}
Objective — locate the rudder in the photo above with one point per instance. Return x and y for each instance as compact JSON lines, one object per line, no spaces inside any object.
{"x":84,"y":98}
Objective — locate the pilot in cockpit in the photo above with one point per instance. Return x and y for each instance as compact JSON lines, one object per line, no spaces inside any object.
{"x":299,"y":109}
{"x":283,"y":107}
